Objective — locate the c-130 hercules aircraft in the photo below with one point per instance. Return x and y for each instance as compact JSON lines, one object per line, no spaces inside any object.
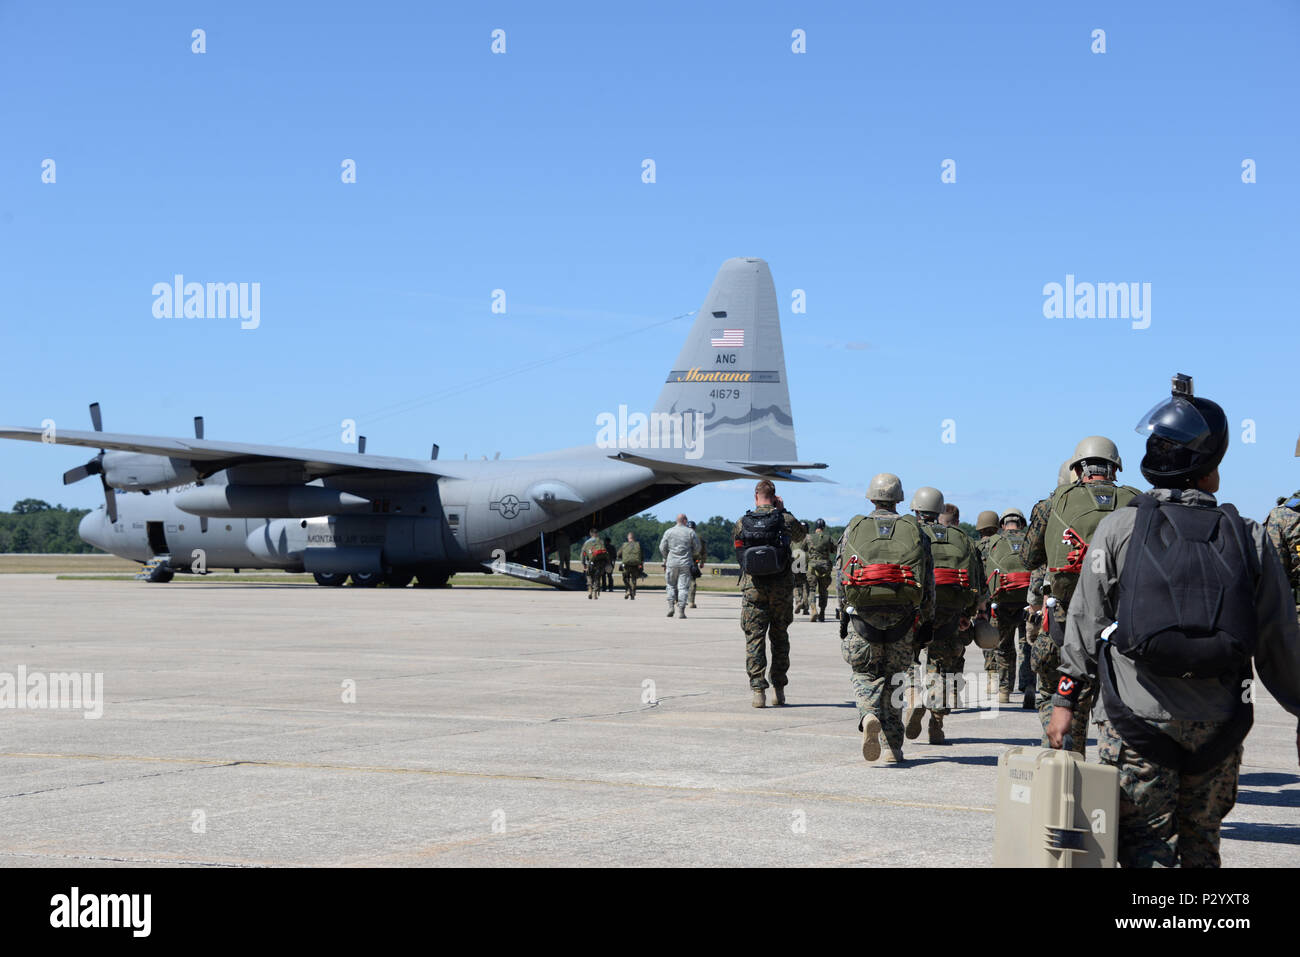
{"x":724,"y":413}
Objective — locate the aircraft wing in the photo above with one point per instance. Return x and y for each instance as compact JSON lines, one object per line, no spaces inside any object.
{"x":714,"y":470}
{"x":210,"y":456}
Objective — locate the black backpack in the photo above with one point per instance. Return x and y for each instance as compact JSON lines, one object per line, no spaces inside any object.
{"x":763,"y":547}
{"x":1186,"y":610}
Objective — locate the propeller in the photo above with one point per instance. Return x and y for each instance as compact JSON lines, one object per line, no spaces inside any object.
{"x":434,"y":456}
{"x":95,"y":467}
{"x":198,"y":434}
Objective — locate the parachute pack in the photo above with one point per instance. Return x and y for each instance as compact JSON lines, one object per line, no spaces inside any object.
{"x":1009,"y":579}
{"x":955,"y":587}
{"x":1077,"y":510}
{"x":883,"y":562}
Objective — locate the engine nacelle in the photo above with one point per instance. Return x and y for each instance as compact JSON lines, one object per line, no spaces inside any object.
{"x":141,"y":472}
{"x":268,"y":501}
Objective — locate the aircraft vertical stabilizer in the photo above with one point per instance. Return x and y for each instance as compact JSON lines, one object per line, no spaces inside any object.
{"x":732,"y":370}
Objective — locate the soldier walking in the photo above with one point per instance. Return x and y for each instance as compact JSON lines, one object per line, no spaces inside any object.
{"x":594,"y":559}
{"x":1008,"y":581}
{"x":886,"y":593}
{"x":821,"y":555}
{"x":763,"y":537}
{"x":699,"y":567}
{"x":1185,"y":593}
{"x":678,"y":547}
{"x":629,"y":558}
{"x":1060,"y":537}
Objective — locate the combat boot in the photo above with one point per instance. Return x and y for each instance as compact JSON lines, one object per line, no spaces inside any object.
{"x":936,"y":728}
{"x":670,"y":609}
{"x":681,"y":611}
{"x":871,"y":738}
{"x":760,"y":698}
{"x":626,"y":595}
{"x":1029,"y":704}
{"x":893,"y":757}
{"x":779,"y":694}
{"x":1004,"y":697}
{"x":915,"y":714}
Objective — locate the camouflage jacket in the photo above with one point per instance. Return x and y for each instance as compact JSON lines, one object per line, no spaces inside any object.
{"x":821,"y":549}
{"x":1283,"y":528}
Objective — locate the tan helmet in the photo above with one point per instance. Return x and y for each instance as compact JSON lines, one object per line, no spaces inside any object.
{"x":1012,"y":513}
{"x":1096,"y":447}
{"x":885,"y":487}
{"x":986,"y":520}
{"x":927,"y":499}
{"x":1064,"y":476}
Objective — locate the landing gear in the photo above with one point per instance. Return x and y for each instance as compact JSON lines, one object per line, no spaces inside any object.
{"x":431,"y":578}
{"x":331,"y":579}
{"x":366,"y":579}
{"x":398,"y":578}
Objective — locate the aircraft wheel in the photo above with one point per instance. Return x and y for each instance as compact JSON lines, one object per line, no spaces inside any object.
{"x":329,"y":578}
{"x":398,"y":578}
{"x":161,"y":576}
{"x":365,"y":579}
{"x":432,"y":579}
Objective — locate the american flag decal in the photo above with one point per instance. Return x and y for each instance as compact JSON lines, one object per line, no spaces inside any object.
{"x":727,"y":338}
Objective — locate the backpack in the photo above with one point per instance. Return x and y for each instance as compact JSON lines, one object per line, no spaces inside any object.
{"x":1186,"y":609}
{"x":883,"y":562}
{"x":763,"y":547}
{"x":1010,"y":576}
{"x":955,"y":588}
{"x":1076,"y":511}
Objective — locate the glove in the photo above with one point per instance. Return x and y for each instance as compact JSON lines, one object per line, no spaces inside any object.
{"x":844,"y":631}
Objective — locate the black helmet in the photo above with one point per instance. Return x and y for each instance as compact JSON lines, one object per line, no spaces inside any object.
{"x":821,"y":523}
{"x":690,"y":524}
{"x":1187,"y":437}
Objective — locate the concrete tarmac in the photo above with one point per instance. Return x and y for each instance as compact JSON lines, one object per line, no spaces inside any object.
{"x":487,"y":727}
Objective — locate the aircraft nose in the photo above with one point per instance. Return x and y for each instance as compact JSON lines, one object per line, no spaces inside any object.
{"x":91,"y":528}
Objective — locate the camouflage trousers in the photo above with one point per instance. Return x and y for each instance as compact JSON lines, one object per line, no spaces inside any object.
{"x":945,"y":660}
{"x":1004,"y":656}
{"x":819,"y":581}
{"x":630,"y":575}
{"x":800,"y":593}
{"x":879,"y":679}
{"x":690,"y":591}
{"x":1046,"y":658}
{"x":1168,"y":819}
{"x":766,"y":611}
{"x":595,"y":574}
{"x":1027,"y":681}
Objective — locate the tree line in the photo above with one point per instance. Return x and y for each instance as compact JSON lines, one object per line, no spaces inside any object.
{"x":35,"y":526}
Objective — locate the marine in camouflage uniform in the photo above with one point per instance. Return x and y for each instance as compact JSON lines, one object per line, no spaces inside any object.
{"x":609,"y":565}
{"x":1027,"y":680}
{"x":595,"y":558}
{"x":1283,"y":530}
{"x":1091,"y":456}
{"x":1009,"y":615}
{"x":881,"y":669}
{"x":629,"y":556}
{"x":799,"y":565}
{"x":945,"y":655}
{"x":700,"y":554}
{"x":767,"y":608}
{"x":821,"y":553}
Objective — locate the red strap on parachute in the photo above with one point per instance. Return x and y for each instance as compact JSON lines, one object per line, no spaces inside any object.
{"x":1010,"y":580}
{"x":1075,"y":556}
{"x":881,"y":573}
{"x":952,"y":576}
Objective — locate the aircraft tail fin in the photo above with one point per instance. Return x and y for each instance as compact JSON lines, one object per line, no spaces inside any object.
{"x":731,"y":371}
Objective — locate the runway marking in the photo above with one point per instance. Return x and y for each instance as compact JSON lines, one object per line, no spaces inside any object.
{"x":435,"y":772}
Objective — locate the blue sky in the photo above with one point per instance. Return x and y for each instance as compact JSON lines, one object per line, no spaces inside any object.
{"x":522,"y":172}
